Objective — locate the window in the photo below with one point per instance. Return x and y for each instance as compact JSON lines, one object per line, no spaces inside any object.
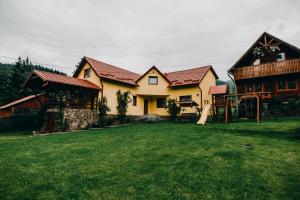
{"x":256,"y":62}
{"x":280,"y":57}
{"x":134,"y":100}
{"x":281,"y":84}
{"x":291,"y":84}
{"x":160,"y":102}
{"x":153,"y":80}
{"x":206,"y":102}
{"x":87,"y":73}
{"x":249,"y":87}
{"x":185,"y":98}
{"x":258,"y":87}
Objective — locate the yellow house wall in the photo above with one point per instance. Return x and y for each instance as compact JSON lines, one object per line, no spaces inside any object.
{"x":192,"y":90}
{"x":160,"y":89}
{"x":207,"y":81}
{"x":146,"y":90}
{"x":110,"y":89}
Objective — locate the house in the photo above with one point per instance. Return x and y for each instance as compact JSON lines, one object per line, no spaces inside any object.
{"x":269,"y":65}
{"x":25,"y":106}
{"x":71,"y":98}
{"x":77,"y":96}
{"x":268,"y":70}
{"x":149,"y":91}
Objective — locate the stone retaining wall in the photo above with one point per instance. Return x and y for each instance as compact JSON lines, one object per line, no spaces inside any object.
{"x":80,"y":118}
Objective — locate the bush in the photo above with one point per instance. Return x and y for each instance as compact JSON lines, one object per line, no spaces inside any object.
{"x":173,"y":109}
{"x":122,"y":98}
{"x":103,"y":109}
{"x":290,"y":106}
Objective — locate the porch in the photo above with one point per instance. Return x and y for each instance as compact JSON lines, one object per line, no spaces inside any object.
{"x":154,"y":104}
{"x":268,"y":69}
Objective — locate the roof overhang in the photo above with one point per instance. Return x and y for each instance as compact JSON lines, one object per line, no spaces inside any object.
{"x":152,"y":95}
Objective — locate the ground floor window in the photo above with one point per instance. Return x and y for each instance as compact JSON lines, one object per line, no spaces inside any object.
{"x":185,"y":98}
{"x":134,"y":100}
{"x":291,"y":84}
{"x":161,"y":102}
{"x":281,"y":85}
{"x":250,"y":87}
{"x":258,"y":87}
{"x":254,"y":87}
{"x":287,"y":84}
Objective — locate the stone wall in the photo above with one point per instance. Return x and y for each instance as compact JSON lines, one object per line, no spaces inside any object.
{"x":80,"y":118}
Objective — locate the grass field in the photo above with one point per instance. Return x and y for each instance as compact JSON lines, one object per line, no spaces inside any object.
{"x":167,"y":160}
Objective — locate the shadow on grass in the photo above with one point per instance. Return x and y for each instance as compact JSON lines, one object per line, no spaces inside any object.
{"x":293,"y":134}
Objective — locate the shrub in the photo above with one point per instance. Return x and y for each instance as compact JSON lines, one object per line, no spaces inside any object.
{"x":103,"y":109}
{"x":122,"y":98}
{"x":173,"y":109}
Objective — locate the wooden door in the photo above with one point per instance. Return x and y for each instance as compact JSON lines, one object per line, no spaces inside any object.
{"x":145,"y":106}
{"x":50,"y":126}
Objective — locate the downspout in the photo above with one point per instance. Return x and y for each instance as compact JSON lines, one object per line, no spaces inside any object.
{"x":101,"y":87}
{"x":200,"y":95}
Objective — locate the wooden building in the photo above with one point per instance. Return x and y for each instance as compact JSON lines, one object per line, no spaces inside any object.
{"x":269,"y":70}
{"x":25,"y":106}
{"x":269,"y":65}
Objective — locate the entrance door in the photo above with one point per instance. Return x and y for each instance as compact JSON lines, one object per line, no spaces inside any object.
{"x":145,"y":106}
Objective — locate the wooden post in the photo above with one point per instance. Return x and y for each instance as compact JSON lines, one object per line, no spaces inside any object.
{"x":257,"y":109}
{"x":226,"y":109}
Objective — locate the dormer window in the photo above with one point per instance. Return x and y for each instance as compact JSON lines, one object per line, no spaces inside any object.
{"x":280,"y":57}
{"x":152,"y":80}
{"x":87,"y":73}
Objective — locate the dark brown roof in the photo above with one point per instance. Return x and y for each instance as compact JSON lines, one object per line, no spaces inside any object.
{"x":255,"y":43}
{"x":63,"y":79}
{"x":188,"y":77}
{"x":108,"y":71}
{"x":218,"y":89}
{"x":19,"y":101}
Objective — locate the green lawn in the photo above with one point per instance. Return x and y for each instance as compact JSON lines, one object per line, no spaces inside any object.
{"x":166,"y":160}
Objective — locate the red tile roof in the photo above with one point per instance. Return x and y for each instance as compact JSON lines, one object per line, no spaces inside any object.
{"x":177,"y":78}
{"x":187,"y":77}
{"x":218,"y":89}
{"x":63,"y":79}
{"x":20,"y":101}
{"x":112,"y":72}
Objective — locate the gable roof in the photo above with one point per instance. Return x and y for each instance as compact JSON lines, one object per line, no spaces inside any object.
{"x":108,"y":71}
{"x":189,"y":76}
{"x":20,"y":101}
{"x":155,"y":68}
{"x":257,"y":41}
{"x":218,"y":89}
{"x":62,"y":79}
{"x":176,"y":78}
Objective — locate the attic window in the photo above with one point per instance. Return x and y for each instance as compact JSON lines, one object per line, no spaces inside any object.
{"x":153,"y":80}
{"x":280,"y":57}
{"x":87,"y":73}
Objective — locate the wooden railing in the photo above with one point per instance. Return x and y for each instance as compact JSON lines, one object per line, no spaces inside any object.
{"x":268,"y":69}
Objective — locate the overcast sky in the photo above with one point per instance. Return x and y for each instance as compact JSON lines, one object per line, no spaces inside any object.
{"x":136,"y":34}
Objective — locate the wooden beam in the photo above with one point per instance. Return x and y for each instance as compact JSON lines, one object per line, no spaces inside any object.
{"x":257,"y":109}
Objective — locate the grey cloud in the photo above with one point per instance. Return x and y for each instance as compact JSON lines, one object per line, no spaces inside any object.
{"x":136,"y":34}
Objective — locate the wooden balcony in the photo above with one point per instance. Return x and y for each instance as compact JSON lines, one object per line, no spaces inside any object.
{"x":268,"y":69}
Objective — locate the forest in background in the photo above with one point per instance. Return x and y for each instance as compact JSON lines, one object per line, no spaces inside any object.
{"x":13,"y":75}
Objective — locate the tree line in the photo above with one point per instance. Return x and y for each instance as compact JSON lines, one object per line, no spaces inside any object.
{"x":13,"y":75}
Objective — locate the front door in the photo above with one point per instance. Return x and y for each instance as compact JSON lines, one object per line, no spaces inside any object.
{"x":145,"y":106}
